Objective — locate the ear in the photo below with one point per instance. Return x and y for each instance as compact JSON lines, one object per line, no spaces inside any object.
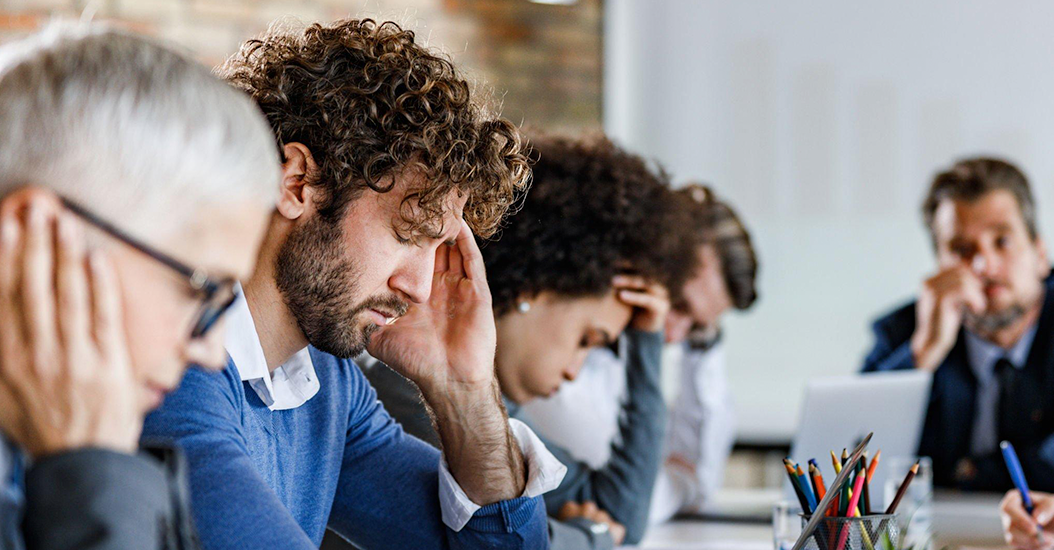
{"x":1043,"y":257}
{"x":295,"y":194}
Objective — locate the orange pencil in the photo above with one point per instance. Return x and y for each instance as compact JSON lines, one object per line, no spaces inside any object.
{"x":817,"y":482}
{"x":874,"y":466}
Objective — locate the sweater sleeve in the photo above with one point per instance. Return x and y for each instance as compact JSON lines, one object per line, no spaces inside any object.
{"x":623,"y":486}
{"x":388,"y":495}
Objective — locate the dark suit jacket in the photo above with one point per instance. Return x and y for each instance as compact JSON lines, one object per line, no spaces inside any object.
{"x":948,"y":428}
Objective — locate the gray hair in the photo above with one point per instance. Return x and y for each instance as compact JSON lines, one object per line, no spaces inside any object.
{"x":134,"y":131}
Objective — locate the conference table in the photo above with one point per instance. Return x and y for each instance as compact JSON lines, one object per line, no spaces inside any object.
{"x":960,"y":521}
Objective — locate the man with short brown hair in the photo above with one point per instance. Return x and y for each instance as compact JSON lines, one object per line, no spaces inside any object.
{"x":984,"y":324}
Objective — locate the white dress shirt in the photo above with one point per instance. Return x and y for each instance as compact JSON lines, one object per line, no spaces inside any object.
{"x":294,"y":383}
{"x":701,"y":428}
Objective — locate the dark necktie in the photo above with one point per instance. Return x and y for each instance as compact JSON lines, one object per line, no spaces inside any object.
{"x":1006,"y":374}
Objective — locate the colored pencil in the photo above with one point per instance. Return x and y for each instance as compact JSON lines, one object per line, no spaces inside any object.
{"x":847,"y":487}
{"x":839,"y":480}
{"x":866,"y":497}
{"x":838,"y":496}
{"x":903,"y":489}
{"x":817,"y":481}
{"x":874,"y":466}
{"x":797,"y":486}
{"x":858,"y":489}
{"x":809,"y":491}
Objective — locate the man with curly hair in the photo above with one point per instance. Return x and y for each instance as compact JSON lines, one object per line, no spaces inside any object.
{"x":389,"y":167}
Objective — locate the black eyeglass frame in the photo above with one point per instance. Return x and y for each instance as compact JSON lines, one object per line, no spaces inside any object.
{"x":211,"y":309}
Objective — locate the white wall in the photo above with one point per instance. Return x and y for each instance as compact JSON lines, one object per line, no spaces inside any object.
{"x":822,"y":121}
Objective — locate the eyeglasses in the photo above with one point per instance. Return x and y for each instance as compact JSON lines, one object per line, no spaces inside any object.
{"x":217,"y":295}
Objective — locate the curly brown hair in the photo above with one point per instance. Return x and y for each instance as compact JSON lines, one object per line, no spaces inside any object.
{"x":594,"y":211}
{"x":371,"y":104}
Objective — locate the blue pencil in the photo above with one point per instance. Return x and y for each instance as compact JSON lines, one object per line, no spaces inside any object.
{"x":1018,"y":477}
{"x":806,"y":487}
{"x":796,"y":485}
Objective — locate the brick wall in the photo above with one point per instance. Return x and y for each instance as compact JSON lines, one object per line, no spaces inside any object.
{"x":542,"y":62}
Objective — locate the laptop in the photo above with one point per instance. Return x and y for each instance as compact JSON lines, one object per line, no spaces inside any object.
{"x":840,"y":411}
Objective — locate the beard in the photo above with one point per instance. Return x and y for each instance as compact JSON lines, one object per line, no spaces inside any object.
{"x":320,"y":286}
{"x":991,"y":322}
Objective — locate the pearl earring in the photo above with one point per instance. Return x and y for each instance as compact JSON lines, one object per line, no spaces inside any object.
{"x":523,"y":307}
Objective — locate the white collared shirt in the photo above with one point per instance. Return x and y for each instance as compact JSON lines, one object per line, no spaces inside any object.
{"x":290,"y":385}
{"x":701,"y":427}
{"x":294,"y":383}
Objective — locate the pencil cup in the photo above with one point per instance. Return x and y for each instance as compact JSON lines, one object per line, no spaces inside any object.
{"x":915,"y":512}
{"x":877,"y":532}
{"x":785,"y":525}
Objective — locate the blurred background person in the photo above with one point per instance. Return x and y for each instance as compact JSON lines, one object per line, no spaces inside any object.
{"x":584,"y":414}
{"x":984,"y":324}
{"x":585,"y":260}
{"x":107,"y":298}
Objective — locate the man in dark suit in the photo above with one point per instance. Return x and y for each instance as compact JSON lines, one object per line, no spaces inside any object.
{"x":984,"y":324}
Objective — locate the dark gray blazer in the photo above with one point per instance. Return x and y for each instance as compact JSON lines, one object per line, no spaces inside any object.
{"x":94,"y":499}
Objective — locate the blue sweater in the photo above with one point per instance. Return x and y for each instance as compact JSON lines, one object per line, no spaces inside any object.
{"x":263,"y":479}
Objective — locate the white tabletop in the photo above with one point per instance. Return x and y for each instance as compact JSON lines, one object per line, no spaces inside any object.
{"x":958,"y":521}
{"x":699,"y":535}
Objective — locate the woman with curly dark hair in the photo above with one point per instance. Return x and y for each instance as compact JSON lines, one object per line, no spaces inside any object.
{"x":702,"y":421}
{"x":586,"y":259}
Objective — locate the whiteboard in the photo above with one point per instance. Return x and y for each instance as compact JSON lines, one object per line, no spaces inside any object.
{"x":823,"y":121}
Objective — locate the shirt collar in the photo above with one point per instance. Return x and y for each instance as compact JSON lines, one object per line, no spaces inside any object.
{"x":983,"y":354}
{"x":290,"y":385}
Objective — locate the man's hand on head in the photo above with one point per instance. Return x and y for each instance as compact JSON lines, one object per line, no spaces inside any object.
{"x":941,"y":308}
{"x":65,"y":371}
{"x":446,"y":344}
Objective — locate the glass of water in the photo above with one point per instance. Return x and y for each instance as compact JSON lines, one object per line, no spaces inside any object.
{"x":786,"y":525}
{"x":915,"y":511}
